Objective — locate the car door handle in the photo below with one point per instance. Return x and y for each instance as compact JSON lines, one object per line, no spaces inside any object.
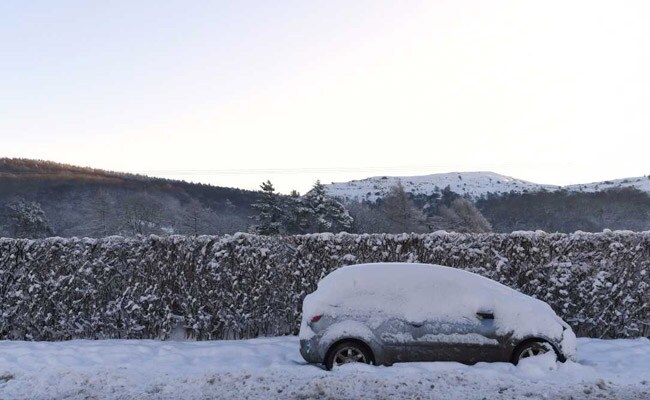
{"x":485,"y":315}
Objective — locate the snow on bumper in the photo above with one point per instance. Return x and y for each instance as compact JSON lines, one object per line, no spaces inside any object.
{"x":568,"y":345}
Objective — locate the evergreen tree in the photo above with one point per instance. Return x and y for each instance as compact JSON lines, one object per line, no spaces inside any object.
{"x":323,"y":213}
{"x":295,"y":214}
{"x":27,"y":220}
{"x":447,"y":196}
{"x":269,"y":207}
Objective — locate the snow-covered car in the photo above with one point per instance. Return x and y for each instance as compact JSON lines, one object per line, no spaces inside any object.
{"x":395,"y":312}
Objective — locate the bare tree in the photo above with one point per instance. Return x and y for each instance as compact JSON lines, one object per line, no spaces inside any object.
{"x":196,"y":218}
{"x":102,"y":223}
{"x":368,"y":218}
{"x":402,"y":213}
{"x":141,"y":214}
{"x":228,"y":223}
{"x":462,"y":216}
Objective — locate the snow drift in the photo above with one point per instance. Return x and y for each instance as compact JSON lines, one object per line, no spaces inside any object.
{"x":272,"y":368}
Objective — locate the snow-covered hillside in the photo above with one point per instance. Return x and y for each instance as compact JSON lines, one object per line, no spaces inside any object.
{"x":641,"y":182}
{"x":473,"y":184}
{"x":272,"y":368}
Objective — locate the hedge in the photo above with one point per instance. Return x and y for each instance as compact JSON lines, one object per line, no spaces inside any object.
{"x":244,"y":286}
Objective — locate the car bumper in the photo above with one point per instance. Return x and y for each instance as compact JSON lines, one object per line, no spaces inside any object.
{"x":309,"y":350}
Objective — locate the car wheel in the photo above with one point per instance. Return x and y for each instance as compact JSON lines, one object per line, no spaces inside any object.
{"x":530,"y":349}
{"x":347,"y":352}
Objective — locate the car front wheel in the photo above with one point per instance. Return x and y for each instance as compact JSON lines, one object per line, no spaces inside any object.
{"x":346,"y":353}
{"x":530,"y":349}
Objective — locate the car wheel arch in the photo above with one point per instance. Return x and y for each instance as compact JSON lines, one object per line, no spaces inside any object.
{"x":352,"y":330}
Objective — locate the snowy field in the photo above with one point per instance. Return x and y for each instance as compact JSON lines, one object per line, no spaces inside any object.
{"x":272,"y":368}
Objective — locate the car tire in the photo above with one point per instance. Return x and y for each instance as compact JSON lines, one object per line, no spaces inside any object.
{"x":531,"y":349}
{"x":347,"y":352}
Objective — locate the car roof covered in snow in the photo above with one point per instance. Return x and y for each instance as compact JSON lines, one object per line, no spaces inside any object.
{"x":419,"y":292}
{"x":390,"y":277}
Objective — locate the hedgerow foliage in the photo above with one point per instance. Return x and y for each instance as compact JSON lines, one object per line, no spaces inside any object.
{"x":246,"y":286}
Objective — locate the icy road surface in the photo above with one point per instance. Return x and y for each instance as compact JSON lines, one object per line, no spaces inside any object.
{"x":272,"y":368}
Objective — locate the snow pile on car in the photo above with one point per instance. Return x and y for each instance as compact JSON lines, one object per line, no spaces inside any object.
{"x":425,"y":292}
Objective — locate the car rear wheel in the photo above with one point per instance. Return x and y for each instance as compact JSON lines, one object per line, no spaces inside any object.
{"x":346,"y":353}
{"x":530,"y":349}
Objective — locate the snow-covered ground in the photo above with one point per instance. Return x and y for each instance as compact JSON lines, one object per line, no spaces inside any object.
{"x":272,"y":368}
{"x":473,"y":184}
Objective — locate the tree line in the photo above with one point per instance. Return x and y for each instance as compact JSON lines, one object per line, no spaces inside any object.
{"x":127,"y":213}
{"x":565,"y":211}
{"x":397,"y":212}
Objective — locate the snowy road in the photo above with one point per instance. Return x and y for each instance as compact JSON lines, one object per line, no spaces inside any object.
{"x":273,"y":368}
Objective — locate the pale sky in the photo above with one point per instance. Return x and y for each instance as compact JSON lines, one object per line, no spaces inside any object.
{"x":236,"y":92}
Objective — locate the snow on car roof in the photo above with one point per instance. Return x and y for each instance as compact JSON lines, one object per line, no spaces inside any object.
{"x":399,"y":276}
{"x":424,"y":292}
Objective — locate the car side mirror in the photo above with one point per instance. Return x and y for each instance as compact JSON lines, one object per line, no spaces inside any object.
{"x":485,"y":315}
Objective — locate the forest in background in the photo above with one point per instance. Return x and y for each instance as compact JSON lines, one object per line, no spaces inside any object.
{"x":41,"y":199}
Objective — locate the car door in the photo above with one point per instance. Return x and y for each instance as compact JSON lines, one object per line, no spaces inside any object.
{"x":467,"y":339}
{"x":415,"y":346}
{"x":392,"y":332}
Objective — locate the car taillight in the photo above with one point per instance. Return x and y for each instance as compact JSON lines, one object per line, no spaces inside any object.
{"x":315,"y":318}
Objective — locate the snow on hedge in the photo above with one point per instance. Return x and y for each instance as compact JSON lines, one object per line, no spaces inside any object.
{"x":246,"y":286}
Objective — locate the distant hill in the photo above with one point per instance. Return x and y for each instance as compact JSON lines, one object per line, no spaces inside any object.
{"x":511,"y":204}
{"x":474,"y":185}
{"x":471,"y":184}
{"x":81,"y":201}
